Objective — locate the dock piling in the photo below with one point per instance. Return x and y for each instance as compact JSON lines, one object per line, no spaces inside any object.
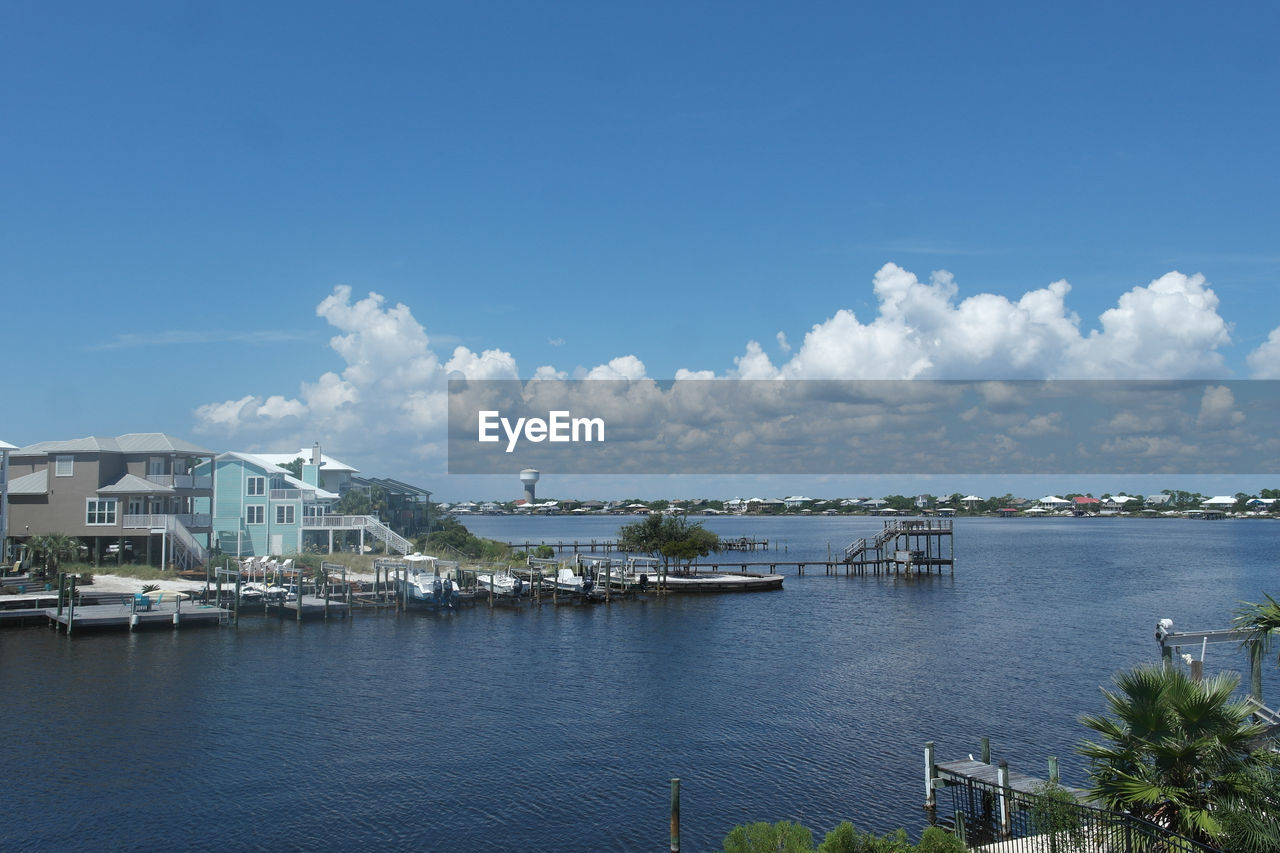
{"x":675,"y":815}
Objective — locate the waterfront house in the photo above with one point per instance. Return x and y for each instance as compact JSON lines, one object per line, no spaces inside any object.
{"x":334,"y":476}
{"x":134,"y":493}
{"x":1084,"y":505}
{"x":5,"y":554}
{"x":406,"y":509}
{"x":260,"y":509}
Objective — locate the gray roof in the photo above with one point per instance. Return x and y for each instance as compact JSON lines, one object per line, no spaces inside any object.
{"x":327,"y":463}
{"x":134,"y":442}
{"x":4,"y":445}
{"x":30,"y":484}
{"x":131,"y":484}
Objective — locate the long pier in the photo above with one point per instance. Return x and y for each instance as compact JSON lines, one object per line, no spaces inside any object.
{"x":607,"y":546}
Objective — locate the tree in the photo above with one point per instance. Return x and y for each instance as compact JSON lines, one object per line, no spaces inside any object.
{"x":1172,"y":750}
{"x":761,"y":837}
{"x":55,"y":546}
{"x":294,"y":467}
{"x":668,"y":536}
{"x":1260,"y":619}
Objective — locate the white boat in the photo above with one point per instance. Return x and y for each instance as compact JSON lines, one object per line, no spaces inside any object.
{"x":428,"y":583}
{"x":501,"y":583}
{"x":566,"y":581}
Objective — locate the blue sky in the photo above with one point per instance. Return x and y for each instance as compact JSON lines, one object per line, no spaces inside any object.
{"x":568,"y":184}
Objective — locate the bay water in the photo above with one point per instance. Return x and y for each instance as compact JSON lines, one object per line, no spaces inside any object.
{"x":559,"y":728}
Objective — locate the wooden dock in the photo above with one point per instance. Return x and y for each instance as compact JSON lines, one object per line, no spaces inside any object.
{"x":609,"y":546}
{"x":126,"y":615}
{"x":905,"y":546}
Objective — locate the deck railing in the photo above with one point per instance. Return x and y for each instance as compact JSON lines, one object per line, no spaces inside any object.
{"x":181,"y":481}
{"x":1038,"y":824}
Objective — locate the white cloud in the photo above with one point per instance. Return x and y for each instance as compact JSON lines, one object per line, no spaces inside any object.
{"x":623,"y":367}
{"x":1264,"y":362}
{"x":1218,"y":409}
{"x":1169,"y":328}
{"x":388,"y":399}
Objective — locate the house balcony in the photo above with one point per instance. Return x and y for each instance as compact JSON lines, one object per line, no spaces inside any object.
{"x":191,"y":521}
{"x":292,"y":494}
{"x":181,"y":481}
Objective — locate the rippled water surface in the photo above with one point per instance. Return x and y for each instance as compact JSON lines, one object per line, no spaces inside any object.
{"x":559,"y":728}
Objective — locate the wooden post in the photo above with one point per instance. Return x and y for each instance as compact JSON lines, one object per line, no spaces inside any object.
{"x":675,"y":815}
{"x":1053,"y":769}
{"x":986,"y":750}
{"x":1255,"y":671}
{"x":71,"y":604}
{"x":61,"y":581}
{"x":930,"y":799}
{"x":236,"y":618}
{"x":1006,"y":817}
{"x":325,"y":573}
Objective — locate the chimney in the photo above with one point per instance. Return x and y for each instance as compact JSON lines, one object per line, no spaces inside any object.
{"x":315,"y":453}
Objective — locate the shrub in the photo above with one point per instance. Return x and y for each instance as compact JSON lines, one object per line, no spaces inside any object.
{"x":762,"y":837}
{"x":938,"y":840}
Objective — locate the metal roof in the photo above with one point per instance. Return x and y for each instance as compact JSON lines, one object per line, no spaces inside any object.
{"x":134,"y":442}
{"x":271,"y":468}
{"x":131,"y":484}
{"x":327,"y":462}
{"x":4,"y":445}
{"x":388,"y":485}
{"x":36,"y":483}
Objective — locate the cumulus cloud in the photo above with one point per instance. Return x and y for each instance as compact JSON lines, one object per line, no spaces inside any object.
{"x":391,"y":391}
{"x":1218,"y":409}
{"x":1264,"y":362}
{"x":1169,"y":328}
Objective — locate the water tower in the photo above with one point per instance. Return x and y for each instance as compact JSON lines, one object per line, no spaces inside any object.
{"x":529,"y":477}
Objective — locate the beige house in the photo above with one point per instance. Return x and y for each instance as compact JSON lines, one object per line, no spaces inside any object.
{"x":128,"y":497}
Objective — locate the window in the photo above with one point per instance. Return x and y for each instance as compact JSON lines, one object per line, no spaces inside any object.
{"x":256,"y":486}
{"x":255,"y":514}
{"x":62,"y":466}
{"x":98,"y":512}
{"x":155,"y":466}
{"x":284,"y":514}
{"x":313,"y":510}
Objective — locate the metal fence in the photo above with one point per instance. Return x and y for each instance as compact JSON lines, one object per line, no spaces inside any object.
{"x":988,"y":817}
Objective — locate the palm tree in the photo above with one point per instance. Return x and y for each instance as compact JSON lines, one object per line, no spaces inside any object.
{"x":54,"y":546}
{"x":1260,"y":619}
{"x":1172,"y":750}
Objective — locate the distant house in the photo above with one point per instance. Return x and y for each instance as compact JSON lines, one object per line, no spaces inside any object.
{"x":1083,"y":505}
{"x":1220,"y":502}
{"x":796,"y":501}
{"x":136,"y":492}
{"x":1158,"y":500}
{"x":1053,"y":502}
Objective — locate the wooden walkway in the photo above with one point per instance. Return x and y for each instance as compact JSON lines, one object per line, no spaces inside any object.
{"x":104,"y":616}
{"x":607,"y":546}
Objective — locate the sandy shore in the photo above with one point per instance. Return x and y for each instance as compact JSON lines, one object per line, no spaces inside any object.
{"x":107,"y":583}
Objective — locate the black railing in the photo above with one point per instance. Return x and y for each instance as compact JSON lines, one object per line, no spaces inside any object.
{"x":1039,"y":823}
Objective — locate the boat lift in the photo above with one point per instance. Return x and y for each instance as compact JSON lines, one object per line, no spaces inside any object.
{"x":1172,"y":643}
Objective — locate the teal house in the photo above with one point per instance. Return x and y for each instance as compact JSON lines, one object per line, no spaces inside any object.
{"x":259,"y":509}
